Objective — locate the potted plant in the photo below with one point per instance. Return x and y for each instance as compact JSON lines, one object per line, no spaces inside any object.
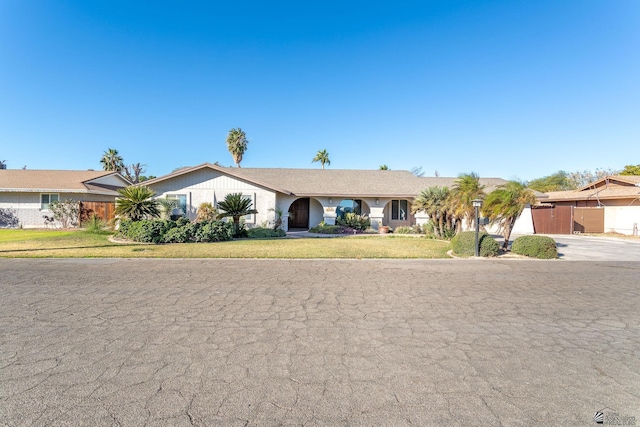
{"x":383,"y":229}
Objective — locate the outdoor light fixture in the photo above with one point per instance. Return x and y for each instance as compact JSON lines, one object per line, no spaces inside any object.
{"x":377,"y":202}
{"x":330,"y":200}
{"x":476,"y":204}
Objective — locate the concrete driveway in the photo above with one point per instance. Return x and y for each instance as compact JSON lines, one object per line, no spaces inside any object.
{"x":318,"y":342}
{"x":592,"y":248}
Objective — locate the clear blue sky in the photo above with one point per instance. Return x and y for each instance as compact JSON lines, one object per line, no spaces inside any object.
{"x":505,"y":88}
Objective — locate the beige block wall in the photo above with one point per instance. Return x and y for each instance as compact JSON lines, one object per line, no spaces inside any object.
{"x":621,"y":219}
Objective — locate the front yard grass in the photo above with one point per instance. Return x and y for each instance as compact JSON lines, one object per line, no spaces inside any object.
{"x":80,"y":244}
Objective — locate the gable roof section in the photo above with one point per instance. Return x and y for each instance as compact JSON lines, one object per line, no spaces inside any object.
{"x":58,"y":181}
{"x":608,"y":188}
{"x":624,"y":180}
{"x":331,"y":182}
{"x":234,"y":172}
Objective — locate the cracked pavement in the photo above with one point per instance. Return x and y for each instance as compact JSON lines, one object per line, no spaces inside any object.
{"x":107,"y":342}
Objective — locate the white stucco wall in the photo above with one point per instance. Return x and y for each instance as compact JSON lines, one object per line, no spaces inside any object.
{"x":621,"y":219}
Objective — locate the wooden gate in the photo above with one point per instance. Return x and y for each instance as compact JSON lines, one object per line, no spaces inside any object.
{"x":588,"y":220}
{"x":552,"y":219}
{"x":105,"y":210}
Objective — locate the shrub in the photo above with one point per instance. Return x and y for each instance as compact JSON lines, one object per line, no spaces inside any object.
{"x":265,"y":233}
{"x":355,"y":221}
{"x":213,"y":231}
{"x":146,"y":230}
{"x":408,"y":230}
{"x":327,"y":229}
{"x":542,"y":247}
{"x":206,"y":212}
{"x":445,"y":233}
{"x":94,"y":224}
{"x":180,"y":231}
{"x":463,"y":244}
{"x":182,"y":234}
{"x":66,"y":212}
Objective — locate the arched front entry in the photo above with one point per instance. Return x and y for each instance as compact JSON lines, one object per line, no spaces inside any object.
{"x":299,"y":214}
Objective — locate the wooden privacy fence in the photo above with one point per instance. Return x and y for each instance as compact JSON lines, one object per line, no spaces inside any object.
{"x":567,"y":220}
{"x":588,"y":220}
{"x":105,"y":210}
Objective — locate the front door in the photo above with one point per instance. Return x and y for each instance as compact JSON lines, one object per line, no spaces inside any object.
{"x":299,"y":214}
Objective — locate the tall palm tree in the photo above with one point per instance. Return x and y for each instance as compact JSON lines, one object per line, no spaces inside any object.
{"x":112,"y":161}
{"x":465,"y":190}
{"x":237,"y":144}
{"x":384,"y":168}
{"x":235,"y":206}
{"x":435,"y":201}
{"x":504,"y":205}
{"x":323,"y":157}
{"x":137,"y":203}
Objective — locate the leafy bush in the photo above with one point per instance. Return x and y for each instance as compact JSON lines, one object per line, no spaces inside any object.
{"x":146,"y":230}
{"x":265,"y":233}
{"x":212,"y":231}
{"x":542,"y":247}
{"x":408,"y":230}
{"x":323,"y":228}
{"x":463,"y":244}
{"x":355,"y":221}
{"x":182,"y":234}
{"x":180,"y":231}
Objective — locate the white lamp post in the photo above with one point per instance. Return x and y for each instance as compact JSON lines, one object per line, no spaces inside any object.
{"x":476,"y":204}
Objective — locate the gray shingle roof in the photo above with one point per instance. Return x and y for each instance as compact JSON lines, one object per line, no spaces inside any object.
{"x":334,"y":182}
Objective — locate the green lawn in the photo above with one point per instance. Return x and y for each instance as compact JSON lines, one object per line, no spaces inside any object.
{"x":80,"y":244}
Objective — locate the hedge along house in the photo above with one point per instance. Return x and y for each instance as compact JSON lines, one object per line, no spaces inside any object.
{"x":25,"y":195}
{"x":306,"y":197}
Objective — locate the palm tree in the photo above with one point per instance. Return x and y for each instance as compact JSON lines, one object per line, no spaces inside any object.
{"x":112,"y":161}
{"x":322,"y":157}
{"x":384,"y":168}
{"x":465,"y":190}
{"x":237,"y":144}
{"x":504,"y":205}
{"x":235,"y":205}
{"x":137,"y":203}
{"x":435,"y":201}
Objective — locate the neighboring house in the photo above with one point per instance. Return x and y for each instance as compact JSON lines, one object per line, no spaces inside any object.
{"x":306,"y":197}
{"x":25,"y":195}
{"x":610,"y":204}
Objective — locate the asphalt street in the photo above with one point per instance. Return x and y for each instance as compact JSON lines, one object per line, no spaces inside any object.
{"x":318,"y":342}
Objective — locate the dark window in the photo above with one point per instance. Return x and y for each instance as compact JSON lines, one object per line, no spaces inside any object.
{"x":399,"y":210}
